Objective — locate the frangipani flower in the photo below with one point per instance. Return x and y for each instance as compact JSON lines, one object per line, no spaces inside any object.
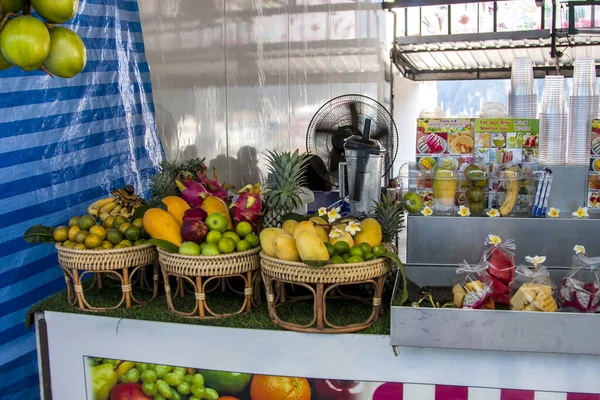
{"x":353,"y":227}
{"x":333,"y":215}
{"x":553,"y":212}
{"x":493,"y":213}
{"x":579,"y":249}
{"x":322,"y":211}
{"x":535,"y":260}
{"x":464,"y":211}
{"x":581,"y":212}
{"x":427,"y":211}
{"x":494,"y":239}
{"x":335,"y":233}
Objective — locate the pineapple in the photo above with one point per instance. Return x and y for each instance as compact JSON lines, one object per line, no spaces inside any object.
{"x":390,"y":215}
{"x":163,"y":184}
{"x":286,"y":177}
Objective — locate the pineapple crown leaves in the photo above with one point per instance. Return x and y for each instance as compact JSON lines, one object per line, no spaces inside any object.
{"x":163,"y":184}
{"x":390,"y":215}
{"x":286,"y":176}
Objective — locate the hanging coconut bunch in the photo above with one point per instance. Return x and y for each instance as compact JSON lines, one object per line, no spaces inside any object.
{"x":31,"y":44}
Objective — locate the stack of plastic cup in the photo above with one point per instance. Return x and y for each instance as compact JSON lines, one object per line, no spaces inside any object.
{"x":553,"y":122}
{"x":583,"y":108}
{"x":522,"y":98}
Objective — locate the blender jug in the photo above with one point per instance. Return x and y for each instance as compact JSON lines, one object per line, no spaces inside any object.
{"x":364,"y":168}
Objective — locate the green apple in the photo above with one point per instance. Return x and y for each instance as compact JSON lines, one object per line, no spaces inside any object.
{"x":189,"y":249}
{"x":217,"y":222}
{"x":412,"y":202}
{"x":211,"y":249}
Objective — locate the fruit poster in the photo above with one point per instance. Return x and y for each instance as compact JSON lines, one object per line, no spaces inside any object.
{"x":594,"y":171}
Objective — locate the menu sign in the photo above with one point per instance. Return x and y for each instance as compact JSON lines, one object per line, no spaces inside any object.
{"x":594,"y":171}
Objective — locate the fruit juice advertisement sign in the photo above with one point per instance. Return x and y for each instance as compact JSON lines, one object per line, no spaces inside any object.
{"x":443,"y":142}
{"x":594,"y":170}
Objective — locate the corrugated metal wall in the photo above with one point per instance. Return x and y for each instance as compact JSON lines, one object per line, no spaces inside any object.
{"x":232,"y":78}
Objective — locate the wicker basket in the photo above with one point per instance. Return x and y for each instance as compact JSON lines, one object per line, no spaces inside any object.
{"x":120,"y":265}
{"x":323,"y":283}
{"x":199,"y":271}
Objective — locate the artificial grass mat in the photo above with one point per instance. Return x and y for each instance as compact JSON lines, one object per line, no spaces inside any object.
{"x":339,"y":311}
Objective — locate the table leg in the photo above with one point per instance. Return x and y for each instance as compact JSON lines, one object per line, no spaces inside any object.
{"x":248,"y":290}
{"x":77,"y":288}
{"x":199,"y":296}
{"x":320,"y":302}
{"x":377,"y":296}
{"x":126,"y":287}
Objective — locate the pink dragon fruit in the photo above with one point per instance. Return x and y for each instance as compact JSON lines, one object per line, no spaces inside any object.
{"x":247,"y":207}
{"x":193,"y":192}
{"x":217,"y":188}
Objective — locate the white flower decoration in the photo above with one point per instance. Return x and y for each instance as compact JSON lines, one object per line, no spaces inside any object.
{"x":464,"y":211}
{"x":493,"y":213}
{"x":579,"y":249}
{"x":553,"y":212}
{"x":353,"y":227}
{"x":334,"y":215}
{"x":335,"y":233}
{"x":581,"y":212}
{"x":322,"y":211}
{"x":535,"y":260}
{"x":427,"y":211}
{"x":494,"y":239}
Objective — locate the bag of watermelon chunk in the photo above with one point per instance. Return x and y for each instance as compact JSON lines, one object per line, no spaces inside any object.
{"x":474,"y":287}
{"x":500,"y":258}
{"x":579,"y":291}
{"x":533,"y":289}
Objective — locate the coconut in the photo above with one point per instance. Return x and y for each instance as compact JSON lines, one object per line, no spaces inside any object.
{"x":67,"y":56}
{"x":25,"y":42}
{"x":56,"y":11}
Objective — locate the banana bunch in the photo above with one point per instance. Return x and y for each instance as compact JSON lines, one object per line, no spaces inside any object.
{"x":126,"y":201}
{"x":512,"y":192}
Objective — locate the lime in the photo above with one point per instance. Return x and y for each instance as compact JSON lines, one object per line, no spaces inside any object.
{"x":203,"y":245}
{"x":108,"y":222}
{"x":189,"y":249}
{"x":119,"y":219}
{"x":355,"y":260}
{"x":226,"y":245}
{"x":357,"y":251}
{"x":243,"y":245}
{"x":126,"y":243}
{"x":243,"y":229}
{"x":73,"y":231}
{"x":366,"y":247}
{"x":346,"y":256}
{"x":369,"y":256}
{"x":68,"y":244}
{"x":252,"y":239}
{"x":114,"y":236}
{"x":341,"y":247}
{"x":80,"y":246}
{"x":74,"y":221}
{"x":98,"y":231}
{"x":330,"y":249}
{"x":211,"y":249}
{"x":92,"y":241}
{"x":86,"y":222}
{"x":337,"y":259}
{"x":80,"y":237}
{"x":213,"y":237}
{"x":133,"y":233}
{"x":123,"y":227}
{"x":379,"y":250}
{"x":61,"y":233}
{"x":107,"y":245}
{"x":119,"y":246}
{"x":138,"y":222}
{"x":140,"y":242}
{"x":232,"y":235}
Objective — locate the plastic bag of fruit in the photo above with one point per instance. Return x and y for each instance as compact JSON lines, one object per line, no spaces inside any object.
{"x":474,"y":287}
{"x":533,"y":289}
{"x":579,"y":290}
{"x":500,"y":258}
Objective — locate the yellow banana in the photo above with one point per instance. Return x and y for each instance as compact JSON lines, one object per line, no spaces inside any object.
{"x":108,"y":208}
{"x":512,"y":192}
{"x":95,"y":207}
{"x":116,"y":210}
{"x":103,"y":216}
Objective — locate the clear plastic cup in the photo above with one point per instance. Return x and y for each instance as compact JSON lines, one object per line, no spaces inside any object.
{"x":584,"y":78}
{"x":522,"y":82}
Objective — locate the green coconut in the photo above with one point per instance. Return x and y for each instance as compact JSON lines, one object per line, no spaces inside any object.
{"x":25,"y":42}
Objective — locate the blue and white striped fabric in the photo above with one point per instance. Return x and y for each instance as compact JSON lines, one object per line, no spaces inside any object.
{"x":64,"y":143}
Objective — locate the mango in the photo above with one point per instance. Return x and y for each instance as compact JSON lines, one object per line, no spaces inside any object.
{"x":285,"y":248}
{"x":310,"y":247}
{"x":321,"y":222}
{"x":213,"y":204}
{"x":304,"y":226}
{"x":266,"y":240}
{"x":370,"y":232}
{"x":159,"y":224}
{"x":346,"y":237}
{"x":321,"y":233}
{"x":289,"y":226}
{"x":176,"y":206}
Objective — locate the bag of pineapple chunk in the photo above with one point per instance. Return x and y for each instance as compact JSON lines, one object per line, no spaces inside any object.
{"x":533,"y":289}
{"x":500,"y":256}
{"x":473,"y":288}
{"x":579,"y":290}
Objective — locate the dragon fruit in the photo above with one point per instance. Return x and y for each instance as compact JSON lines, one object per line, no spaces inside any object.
{"x":193,"y":192}
{"x":214,"y":186}
{"x":583,"y":300}
{"x":247,"y":207}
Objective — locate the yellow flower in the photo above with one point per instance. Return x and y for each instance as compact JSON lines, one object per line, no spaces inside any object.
{"x":581,"y":212}
{"x":322,"y":211}
{"x":427,"y":211}
{"x":334,"y":215}
{"x":553,"y":212}
{"x":353,"y":227}
{"x":535,"y":260}
{"x":335,"y":233}
{"x":493,"y":239}
{"x":579,"y":249}
{"x":493,"y":213}
{"x":464,"y":211}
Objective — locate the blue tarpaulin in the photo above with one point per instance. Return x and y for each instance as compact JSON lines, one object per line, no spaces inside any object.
{"x":63,"y":144}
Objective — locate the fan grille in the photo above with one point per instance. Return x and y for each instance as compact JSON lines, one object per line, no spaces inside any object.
{"x":336,"y":114}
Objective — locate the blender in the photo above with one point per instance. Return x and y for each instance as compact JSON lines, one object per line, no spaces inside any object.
{"x":363,"y":169}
